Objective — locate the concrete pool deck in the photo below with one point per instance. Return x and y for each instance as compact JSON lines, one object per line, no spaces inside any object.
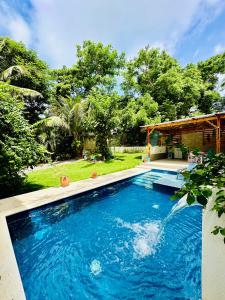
{"x":11,"y":288}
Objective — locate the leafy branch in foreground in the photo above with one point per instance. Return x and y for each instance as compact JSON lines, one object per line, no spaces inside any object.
{"x":201,"y":181}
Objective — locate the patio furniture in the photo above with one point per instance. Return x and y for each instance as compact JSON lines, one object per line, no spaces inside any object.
{"x":196,"y":158}
{"x":190,"y":166}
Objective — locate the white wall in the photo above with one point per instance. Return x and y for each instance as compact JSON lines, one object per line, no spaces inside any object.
{"x":122,"y":149}
{"x":213,"y":256}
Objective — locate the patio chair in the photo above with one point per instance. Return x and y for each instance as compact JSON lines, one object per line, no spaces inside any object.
{"x":190,"y":166}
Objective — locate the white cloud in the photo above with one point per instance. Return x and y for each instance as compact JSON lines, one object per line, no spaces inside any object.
{"x":14,"y":24}
{"x":19,"y":30}
{"x":57,"y":26}
{"x":132,"y":24}
{"x":219,"y":49}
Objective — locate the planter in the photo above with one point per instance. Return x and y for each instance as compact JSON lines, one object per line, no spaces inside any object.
{"x":93,"y":174}
{"x":64,"y":181}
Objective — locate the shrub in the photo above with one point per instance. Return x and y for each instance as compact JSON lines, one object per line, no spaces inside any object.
{"x":200,"y":182}
{"x":18,"y":148}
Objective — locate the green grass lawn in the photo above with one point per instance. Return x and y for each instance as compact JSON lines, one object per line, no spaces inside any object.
{"x":79,"y":170}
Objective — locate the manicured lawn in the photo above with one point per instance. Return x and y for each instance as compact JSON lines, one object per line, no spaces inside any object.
{"x":80,"y":170}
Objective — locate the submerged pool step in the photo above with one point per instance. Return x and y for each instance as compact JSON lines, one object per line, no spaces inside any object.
{"x":146,"y":180}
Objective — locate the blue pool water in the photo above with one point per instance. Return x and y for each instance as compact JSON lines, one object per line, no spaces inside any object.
{"x":124,"y":241}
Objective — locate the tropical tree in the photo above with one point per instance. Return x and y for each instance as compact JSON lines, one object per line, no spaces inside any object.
{"x":5,"y":79}
{"x":211,"y":68}
{"x":63,"y":124}
{"x":96,"y":66}
{"x":24,"y":75}
{"x":133,"y":114}
{"x":176,"y":90}
{"x":18,"y":148}
{"x":143,"y":70}
{"x":103,"y":118}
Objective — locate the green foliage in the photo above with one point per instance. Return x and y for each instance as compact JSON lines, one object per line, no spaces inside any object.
{"x":135,"y":112}
{"x":143,"y":71}
{"x":22,"y":68}
{"x":175,"y":89}
{"x":208,"y":99}
{"x":200,"y":182}
{"x":64,"y":125}
{"x":103,"y":118}
{"x":70,"y":104}
{"x":18,"y":148}
{"x":211,"y":67}
{"x":96,"y":66}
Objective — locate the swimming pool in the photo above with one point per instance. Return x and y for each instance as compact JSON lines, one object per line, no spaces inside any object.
{"x":124,"y":241}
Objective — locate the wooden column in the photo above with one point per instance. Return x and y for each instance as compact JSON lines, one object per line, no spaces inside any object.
{"x":148,"y":136}
{"x":149,"y":141}
{"x":218,"y":142}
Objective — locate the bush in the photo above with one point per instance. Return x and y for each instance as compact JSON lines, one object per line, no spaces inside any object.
{"x":200,"y":182}
{"x":18,"y":148}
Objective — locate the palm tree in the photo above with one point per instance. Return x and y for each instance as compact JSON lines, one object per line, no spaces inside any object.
{"x":15,"y":72}
{"x":65,"y":118}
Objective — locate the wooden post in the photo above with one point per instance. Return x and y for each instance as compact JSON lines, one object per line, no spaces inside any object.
{"x":218,"y":142}
{"x":148,"y":136}
{"x":149,"y":142}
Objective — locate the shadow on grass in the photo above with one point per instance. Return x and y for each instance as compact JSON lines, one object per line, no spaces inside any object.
{"x":91,"y":164}
{"x":109,"y":161}
{"x":26,"y":188}
{"x":31,"y":187}
{"x":138,"y":157}
{"x":121,"y":158}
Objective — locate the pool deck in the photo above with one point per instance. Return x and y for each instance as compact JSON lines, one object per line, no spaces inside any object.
{"x":11,"y":288}
{"x":166,"y":164}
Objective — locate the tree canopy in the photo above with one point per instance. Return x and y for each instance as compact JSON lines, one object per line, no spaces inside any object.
{"x":102,"y":95}
{"x":21,"y":67}
{"x":18,"y":147}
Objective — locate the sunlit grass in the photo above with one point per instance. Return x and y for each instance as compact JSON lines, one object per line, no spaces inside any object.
{"x":80,"y":170}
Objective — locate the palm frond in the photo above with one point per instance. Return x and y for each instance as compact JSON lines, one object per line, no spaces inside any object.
{"x":19,"y":91}
{"x":51,"y":122}
{"x":8,"y":73}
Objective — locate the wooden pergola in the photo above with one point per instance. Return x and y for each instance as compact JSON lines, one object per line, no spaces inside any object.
{"x":200,"y":123}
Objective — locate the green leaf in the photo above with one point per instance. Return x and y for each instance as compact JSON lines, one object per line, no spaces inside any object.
{"x":215,"y":230}
{"x":220,"y":192}
{"x":207,"y":192}
{"x":190,"y":198}
{"x":222,"y":231}
{"x":195,"y":177}
{"x":174,"y":197}
{"x":202,"y":200}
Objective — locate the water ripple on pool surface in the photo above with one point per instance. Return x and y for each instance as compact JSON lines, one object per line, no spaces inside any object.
{"x":146,"y":239}
{"x":110,"y":244}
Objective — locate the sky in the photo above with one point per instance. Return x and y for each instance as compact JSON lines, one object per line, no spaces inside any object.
{"x":190,"y":30}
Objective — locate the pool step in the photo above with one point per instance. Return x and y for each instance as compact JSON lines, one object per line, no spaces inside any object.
{"x":146,"y":180}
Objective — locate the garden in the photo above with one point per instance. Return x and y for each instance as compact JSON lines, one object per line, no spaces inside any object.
{"x":49,"y":115}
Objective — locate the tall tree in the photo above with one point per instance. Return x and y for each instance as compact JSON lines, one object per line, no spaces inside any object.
{"x":143,"y":71}
{"x":134,"y":113}
{"x":63,"y":131}
{"x":21,"y":67}
{"x":96,"y":66}
{"x":103,"y":118}
{"x":211,"y":68}
{"x":18,"y":148}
